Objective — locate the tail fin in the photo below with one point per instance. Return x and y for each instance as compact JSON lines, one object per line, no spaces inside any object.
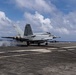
{"x":19,"y":31}
{"x":28,"y":30}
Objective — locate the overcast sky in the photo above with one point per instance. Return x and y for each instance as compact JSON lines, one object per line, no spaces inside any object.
{"x":55,"y":16}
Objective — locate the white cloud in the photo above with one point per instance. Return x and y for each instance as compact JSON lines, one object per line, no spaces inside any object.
{"x":36,"y":5}
{"x":45,"y":24}
{"x":5,"y":24}
{"x":38,"y":21}
{"x":71,"y":19}
{"x":59,"y":22}
{"x":62,"y":30}
{"x":4,"y":21}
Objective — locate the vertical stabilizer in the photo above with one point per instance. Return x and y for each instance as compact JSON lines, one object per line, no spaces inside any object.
{"x":28,"y":30}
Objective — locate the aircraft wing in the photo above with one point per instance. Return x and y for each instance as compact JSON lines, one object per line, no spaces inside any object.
{"x":8,"y":37}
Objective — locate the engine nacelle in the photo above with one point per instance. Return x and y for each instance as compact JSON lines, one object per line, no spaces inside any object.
{"x":18,"y":38}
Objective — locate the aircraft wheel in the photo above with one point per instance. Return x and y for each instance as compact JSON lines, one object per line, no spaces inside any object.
{"x":28,"y":43}
{"x":38,"y":44}
{"x":46,"y":43}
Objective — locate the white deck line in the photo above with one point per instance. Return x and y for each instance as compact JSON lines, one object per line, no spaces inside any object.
{"x":34,"y":50}
{"x":16,"y":55}
{"x":70,"y":47}
{"x":61,"y":50}
{"x":51,"y":48}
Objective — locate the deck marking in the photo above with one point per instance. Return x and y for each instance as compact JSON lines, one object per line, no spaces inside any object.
{"x":40,"y":51}
{"x":16,"y":55}
{"x":69,"y":47}
{"x":33,"y":50}
{"x":61,"y":50}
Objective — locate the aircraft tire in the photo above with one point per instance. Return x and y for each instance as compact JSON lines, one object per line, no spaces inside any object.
{"x":46,"y":43}
{"x":38,"y":44}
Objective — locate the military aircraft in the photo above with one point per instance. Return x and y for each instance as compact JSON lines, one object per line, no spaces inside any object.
{"x":29,"y":37}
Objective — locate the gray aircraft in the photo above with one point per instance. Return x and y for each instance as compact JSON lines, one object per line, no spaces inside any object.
{"x":29,"y":37}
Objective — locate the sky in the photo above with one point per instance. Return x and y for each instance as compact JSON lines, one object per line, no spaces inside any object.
{"x":55,"y":16}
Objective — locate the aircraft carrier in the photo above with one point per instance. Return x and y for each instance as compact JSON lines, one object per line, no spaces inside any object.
{"x":54,"y":59}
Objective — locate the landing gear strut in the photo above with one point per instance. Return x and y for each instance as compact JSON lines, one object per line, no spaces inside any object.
{"x":28,"y":43}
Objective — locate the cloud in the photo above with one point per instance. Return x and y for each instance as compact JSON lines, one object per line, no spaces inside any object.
{"x":62,"y":30}
{"x":5,"y":24}
{"x":41,"y":23}
{"x":56,"y":23}
{"x":36,"y":5}
{"x":38,"y":21}
{"x":4,"y":20}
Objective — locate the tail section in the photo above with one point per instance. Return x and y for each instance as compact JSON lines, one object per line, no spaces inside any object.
{"x":19,"y":31}
{"x":28,"y":30}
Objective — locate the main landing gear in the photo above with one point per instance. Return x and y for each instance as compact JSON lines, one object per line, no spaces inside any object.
{"x":46,"y":43}
{"x":28,"y":43}
{"x":38,"y":44}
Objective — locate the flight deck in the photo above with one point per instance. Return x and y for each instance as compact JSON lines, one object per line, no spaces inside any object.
{"x":54,"y":59}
